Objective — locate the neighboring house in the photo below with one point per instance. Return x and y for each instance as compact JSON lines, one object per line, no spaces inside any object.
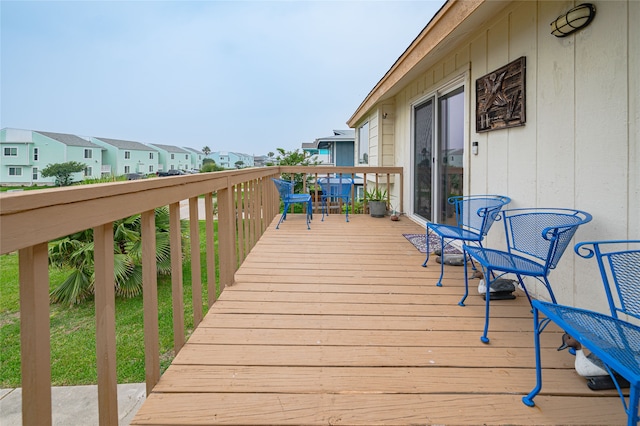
{"x":172,"y":157}
{"x":337,"y":149}
{"x":25,"y":153}
{"x":124,"y":157}
{"x":231,"y":160}
{"x":565,"y":133}
{"x":260,"y":160}
{"x":196,"y":158}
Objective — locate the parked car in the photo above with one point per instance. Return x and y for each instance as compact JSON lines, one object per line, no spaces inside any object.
{"x":172,"y":172}
{"x":134,"y":176}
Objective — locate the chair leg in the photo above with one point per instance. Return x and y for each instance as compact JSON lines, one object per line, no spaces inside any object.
{"x":634,"y":406}
{"x":426,"y":236}
{"x":466,"y":283}
{"x":528,"y":400}
{"x":487,"y":298}
{"x":548,"y":285}
{"x":439,"y":283}
{"x":347,"y":203}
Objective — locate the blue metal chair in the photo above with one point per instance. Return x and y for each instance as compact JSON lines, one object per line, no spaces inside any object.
{"x":335,"y":188}
{"x":288,"y":197}
{"x":611,"y":338}
{"x":474,"y":216}
{"x":536,"y":239}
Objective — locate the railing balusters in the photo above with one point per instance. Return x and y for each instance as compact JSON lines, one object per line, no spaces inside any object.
{"x":105,"y":305}
{"x":196,"y":268}
{"x":226,"y":236}
{"x":211,"y":251}
{"x":177,"y":302}
{"x":247,"y":205}
{"x":150,"y":300}
{"x":35,"y":337}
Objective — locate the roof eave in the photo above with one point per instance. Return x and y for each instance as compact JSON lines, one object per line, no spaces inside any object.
{"x":441,"y":26}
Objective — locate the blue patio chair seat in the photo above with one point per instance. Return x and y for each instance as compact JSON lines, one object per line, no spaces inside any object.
{"x":335,"y":188}
{"x":285,"y":189}
{"x":611,"y":338}
{"x":474,"y":216}
{"x":536,"y":238}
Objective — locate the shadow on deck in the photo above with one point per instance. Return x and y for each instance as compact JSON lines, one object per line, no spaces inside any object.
{"x":342,"y":325}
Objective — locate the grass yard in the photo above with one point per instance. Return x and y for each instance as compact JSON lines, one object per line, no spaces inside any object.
{"x":73,"y":354}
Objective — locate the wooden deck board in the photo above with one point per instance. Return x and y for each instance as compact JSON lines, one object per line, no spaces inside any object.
{"x":342,"y":325}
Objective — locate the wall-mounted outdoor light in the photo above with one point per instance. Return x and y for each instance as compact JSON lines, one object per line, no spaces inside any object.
{"x":575,"y":19}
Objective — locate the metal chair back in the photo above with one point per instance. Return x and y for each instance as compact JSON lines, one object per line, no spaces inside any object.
{"x":335,"y":188}
{"x":542,"y":233}
{"x":619,"y":264}
{"x":478,"y":212}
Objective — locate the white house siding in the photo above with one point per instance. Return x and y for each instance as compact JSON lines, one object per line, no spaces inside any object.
{"x":581,"y":142}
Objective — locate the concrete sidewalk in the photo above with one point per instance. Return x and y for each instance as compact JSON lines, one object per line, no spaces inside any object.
{"x":74,"y":405}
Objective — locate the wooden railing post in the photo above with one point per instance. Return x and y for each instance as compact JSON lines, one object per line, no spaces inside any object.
{"x":105,"y":305}
{"x":150,"y":300}
{"x":35,"y":337}
{"x":211,"y":251}
{"x":177,"y":297}
{"x":226,"y":235}
{"x":196,"y":269}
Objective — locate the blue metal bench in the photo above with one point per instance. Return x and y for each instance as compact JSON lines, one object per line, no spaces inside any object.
{"x":536,"y":239}
{"x":335,"y":188}
{"x":474,"y":216}
{"x":611,"y":338}
{"x":288,"y":197}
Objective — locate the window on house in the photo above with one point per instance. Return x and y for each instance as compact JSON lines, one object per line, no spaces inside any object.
{"x":172,"y":167}
{"x":127,"y":169}
{"x":15,"y":171}
{"x":150,"y":169}
{"x":36,"y":154}
{"x":88,"y":171}
{"x":88,"y":153}
{"x":10,"y":152}
{"x":363,"y":144}
{"x":34,"y":173}
{"x":127,"y":155}
{"x":151,"y":156}
{"x":173,"y":156}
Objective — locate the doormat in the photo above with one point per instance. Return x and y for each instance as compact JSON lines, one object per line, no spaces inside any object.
{"x":420,"y":243}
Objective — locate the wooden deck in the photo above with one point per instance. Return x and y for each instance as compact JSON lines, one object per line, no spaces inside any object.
{"x":342,"y":325}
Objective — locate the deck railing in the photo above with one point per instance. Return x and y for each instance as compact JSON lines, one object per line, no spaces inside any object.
{"x":29,"y":220}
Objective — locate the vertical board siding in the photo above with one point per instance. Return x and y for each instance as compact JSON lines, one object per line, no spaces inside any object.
{"x":580,"y":145}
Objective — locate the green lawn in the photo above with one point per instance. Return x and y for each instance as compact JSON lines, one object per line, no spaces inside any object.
{"x":73,"y":355}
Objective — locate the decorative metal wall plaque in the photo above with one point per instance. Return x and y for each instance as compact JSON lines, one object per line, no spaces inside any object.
{"x":500,"y":97}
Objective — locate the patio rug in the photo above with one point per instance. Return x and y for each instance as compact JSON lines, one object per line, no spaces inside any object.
{"x":419,"y":242}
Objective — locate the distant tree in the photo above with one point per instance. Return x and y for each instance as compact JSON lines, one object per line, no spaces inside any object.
{"x":206,"y":150}
{"x":294,"y":158}
{"x":63,"y":171}
{"x":270,"y":161}
{"x":209,"y":165}
{"x":239,"y":164}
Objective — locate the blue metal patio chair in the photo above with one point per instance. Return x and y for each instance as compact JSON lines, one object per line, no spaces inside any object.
{"x":536,"y":239}
{"x":335,"y":188}
{"x":611,"y":338}
{"x":474,"y":216}
{"x":288,"y":197}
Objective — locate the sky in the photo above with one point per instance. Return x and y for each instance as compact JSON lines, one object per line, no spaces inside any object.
{"x":243,"y":76}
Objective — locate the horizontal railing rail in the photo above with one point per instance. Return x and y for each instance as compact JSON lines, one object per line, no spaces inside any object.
{"x":30,"y":220}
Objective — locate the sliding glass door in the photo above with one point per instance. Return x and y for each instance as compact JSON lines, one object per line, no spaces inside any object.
{"x":438,"y":150}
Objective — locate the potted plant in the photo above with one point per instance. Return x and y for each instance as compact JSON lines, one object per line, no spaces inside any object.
{"x":377,"y":201}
